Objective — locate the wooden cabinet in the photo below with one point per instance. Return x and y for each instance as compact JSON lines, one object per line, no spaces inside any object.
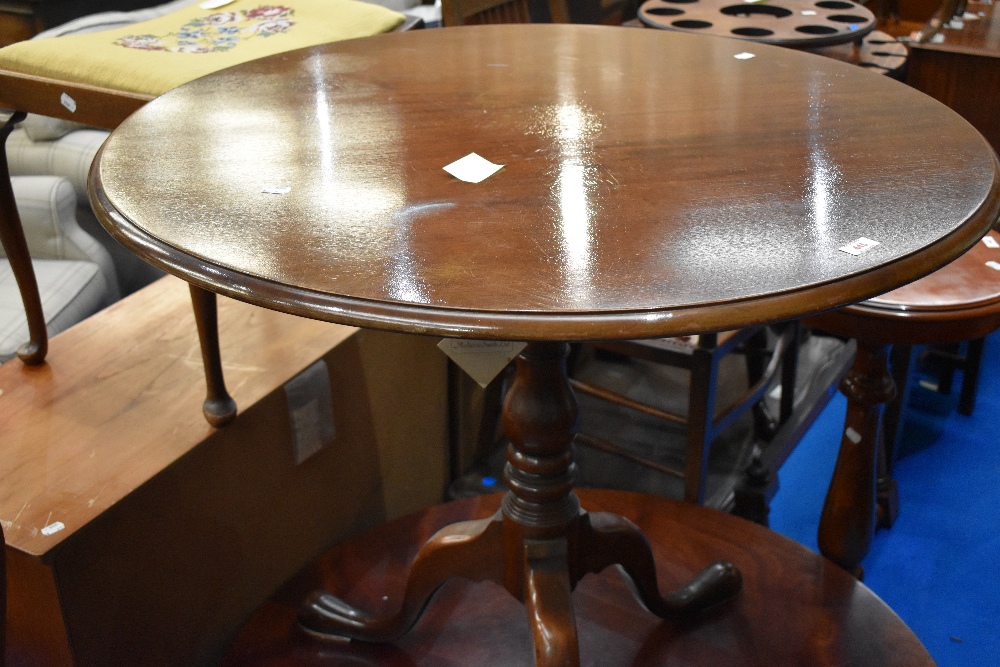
{"x":139,"y":535}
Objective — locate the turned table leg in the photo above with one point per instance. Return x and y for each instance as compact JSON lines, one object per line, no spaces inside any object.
{"x":847,"y":523}
{"x":14,"y":244}
{"x":541,"y":543}
{"x":219,"y":407}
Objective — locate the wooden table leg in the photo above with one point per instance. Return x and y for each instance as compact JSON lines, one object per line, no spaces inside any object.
{"x":219,"y":407}
{"x":847,"y":523}
{"x":541,"y":543}
{"x":12,"y":237}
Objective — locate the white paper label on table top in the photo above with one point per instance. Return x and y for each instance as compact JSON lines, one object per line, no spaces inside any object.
{"x":744,"y":56}
{"x":858,"y":246}
{"x":990,"y":242}
{"x":215,"y":4}
{"x":993,"y":265}
{"x":68,"y":102}
{"x":472,"y":168}
{"x":481,"y":359}
{"x":53,"y":528}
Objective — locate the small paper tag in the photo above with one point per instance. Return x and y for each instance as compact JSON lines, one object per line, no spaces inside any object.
{"x":68,"y":102}
{"x":858,"y":246}
{"x":852,"y":435}
{"x":310,"y":410}
{"x":993,"y":265}
{"x":53,"y":528}
{"x":744,"y":56}
{"x":276,"y":189}
{"x":481,"y":359}
{"x":472,"y":168}
{"x":682,"y":344}
{"x":215,"y":4}
{"x":990,"y":242}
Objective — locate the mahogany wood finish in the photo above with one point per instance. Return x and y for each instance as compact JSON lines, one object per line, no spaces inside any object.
{"x":581,"y":168}
{"x":824,"y":615}
{"x":963,"y":71}
{"x":958,"y":302}
{"x":649,"y":203}
{"x":540,"y":544}
{"x":219,"y":407}
{"x":783,"y":22}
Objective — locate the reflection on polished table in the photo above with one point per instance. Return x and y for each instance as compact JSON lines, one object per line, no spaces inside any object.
{"x":637,"y":200}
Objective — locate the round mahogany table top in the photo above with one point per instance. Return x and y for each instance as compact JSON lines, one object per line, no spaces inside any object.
{"x":796,"y":607}
{"x":792,"y":23}
{"x":958,"y":302}
{"x":654,"y":183}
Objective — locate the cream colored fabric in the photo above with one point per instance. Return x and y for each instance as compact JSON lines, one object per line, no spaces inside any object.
{"x":154,"y":56}
{"x":70,"y":292}
{"x":47,"y":208}
{"x":69,"y":156}
{"x":75,"y":274}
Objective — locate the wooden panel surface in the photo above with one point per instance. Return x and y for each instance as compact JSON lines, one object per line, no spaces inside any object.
{"x":175,"y":531}
{"x":963,"y":71}
{"x":120,"y":399}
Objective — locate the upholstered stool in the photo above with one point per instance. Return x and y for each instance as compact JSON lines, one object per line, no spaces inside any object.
{"x":959,"y":302}
{"x":99,"y":78}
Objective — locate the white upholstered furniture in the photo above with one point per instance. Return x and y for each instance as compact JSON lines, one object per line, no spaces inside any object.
{"x":76,"y":275}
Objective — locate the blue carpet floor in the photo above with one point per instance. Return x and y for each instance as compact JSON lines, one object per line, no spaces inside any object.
{"x":938,"y":567}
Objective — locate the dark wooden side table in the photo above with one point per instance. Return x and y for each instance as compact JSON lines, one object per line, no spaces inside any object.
{"x":654,"y":184}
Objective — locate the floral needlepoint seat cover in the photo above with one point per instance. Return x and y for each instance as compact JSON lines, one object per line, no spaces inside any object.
{"x":154,"y":56}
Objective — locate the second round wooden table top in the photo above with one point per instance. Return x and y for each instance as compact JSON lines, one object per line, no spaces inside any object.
{"x":654,"y":183}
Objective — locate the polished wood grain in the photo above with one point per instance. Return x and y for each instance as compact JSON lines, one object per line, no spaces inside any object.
{"x":120,"y":389}
{"x":540,"y":544}
{"x":793,"y":23}
{"x":797,"y":608}
{"x":667,"y":200}
{"x":958,"y":302}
